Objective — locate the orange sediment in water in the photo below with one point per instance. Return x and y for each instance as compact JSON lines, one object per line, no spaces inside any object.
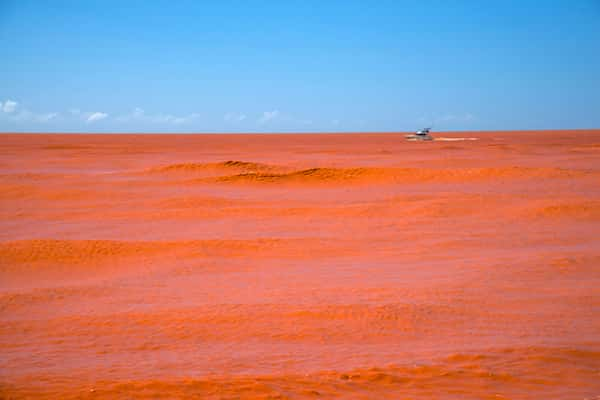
{"x":400,"y":175}
{"x":351,"y":266}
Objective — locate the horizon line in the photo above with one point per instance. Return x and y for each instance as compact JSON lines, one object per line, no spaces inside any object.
{"x":297,"y":132}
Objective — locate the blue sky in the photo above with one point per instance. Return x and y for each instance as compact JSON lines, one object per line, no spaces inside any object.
{"x":284,"y":66}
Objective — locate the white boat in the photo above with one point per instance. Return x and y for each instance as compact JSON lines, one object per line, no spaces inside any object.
{"x":421,"y":134}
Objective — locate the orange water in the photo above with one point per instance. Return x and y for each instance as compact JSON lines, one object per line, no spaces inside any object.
{"x":300,"y":266}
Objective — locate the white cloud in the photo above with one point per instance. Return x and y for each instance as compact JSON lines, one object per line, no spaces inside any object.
{"x":23,"y":115}
{"x":180,"y":120}
{"x":284,"y":119}
{"x":47,"y":117}
{"x":26,"y":115}
{"x":9,"y":106}
{"x":172,"y":119}
{"x":268,"y":116}
{"x":12,"y":111}
{"x":86,"y":116}
{"x":161,"y":118}
{"x":234,"y":117}
{"x":186,"y":119}
{"x":138,"y":114}
{"x":96,"y":116}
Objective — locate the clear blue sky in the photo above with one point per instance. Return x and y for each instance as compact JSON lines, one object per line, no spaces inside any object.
{"x":269,"y":66}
